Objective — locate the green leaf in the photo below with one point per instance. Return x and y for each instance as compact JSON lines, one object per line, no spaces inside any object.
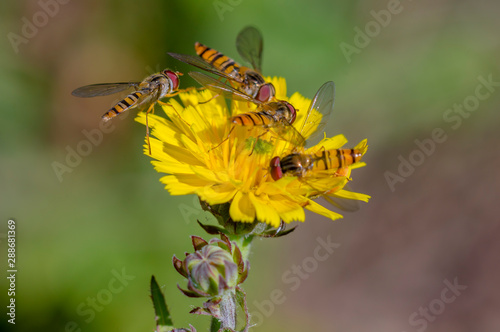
{"x":241,"y":299}
{"x":214,"y":325}
{"x":162,"y":315}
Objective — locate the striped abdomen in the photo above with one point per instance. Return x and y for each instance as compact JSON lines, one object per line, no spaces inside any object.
{"x":128,"y":102}
{"x":334,"y":159}
{"x":221,"y":62}
{"x":300,"y":164}
{"x":254,"y":119}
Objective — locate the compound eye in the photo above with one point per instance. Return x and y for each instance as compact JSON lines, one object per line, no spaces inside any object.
{"x":174,"y":78}
{"x":276,"y":171}
{"x":293,"y":112}
{"x":266,"y":92}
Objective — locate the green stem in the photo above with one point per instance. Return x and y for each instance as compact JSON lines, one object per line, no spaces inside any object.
{"x":228,"y":311}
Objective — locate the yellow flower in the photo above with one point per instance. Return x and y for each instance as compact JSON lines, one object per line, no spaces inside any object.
{"x":197,"y":146}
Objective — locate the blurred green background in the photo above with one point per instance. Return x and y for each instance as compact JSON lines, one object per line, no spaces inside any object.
{"x":111,"y":214}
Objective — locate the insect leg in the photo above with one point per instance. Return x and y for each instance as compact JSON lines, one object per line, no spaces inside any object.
{"x":209,"y":100}
{"x":170,"y":105}
{"x":151,"y":108}
{"x":225,"y":139}
{"x":191,"y":88}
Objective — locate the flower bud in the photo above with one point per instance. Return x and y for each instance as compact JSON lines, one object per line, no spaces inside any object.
{"x":213,"y":268}
{"x":191,"y":329}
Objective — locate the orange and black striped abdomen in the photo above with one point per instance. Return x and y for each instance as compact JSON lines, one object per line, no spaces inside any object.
{"x":221,"y":62}
{"x":253,"y":119}
{"x":128,"y":102}
{"x":335,"y":159}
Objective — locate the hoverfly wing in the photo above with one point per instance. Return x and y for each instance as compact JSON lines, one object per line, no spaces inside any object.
{"x":249,"y":44}
{"x":148,"y":96}
{"x":198,"y":62}
{"x":344,"y":204}
{"x":341,"y":202}
{"x":290,"y":134}
{"x":103,"y":89}
{"x":220,"y":87}
{"x":346,"y":201}
{"x":323,"y":102}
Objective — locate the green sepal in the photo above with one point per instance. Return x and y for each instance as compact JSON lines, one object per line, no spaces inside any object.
{"x":277,"y":233}
{"x":211,"y":229}
{"x":221,"y":213}
{"x":198,"y":242}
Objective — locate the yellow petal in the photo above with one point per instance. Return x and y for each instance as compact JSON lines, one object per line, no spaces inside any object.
{"x":288,"y":209}
{"x":294,"y":215}
{"x":358,"y":165}
{"x":171,"y":167}
{"x":182,"y":154}
{"x":241,"y":208}
{"x":217,"y":194}
{"x":332,"y":143}
{"x":316,"y":208}
{"x":352,"y":195}
{"x":208,"y":175}
{"x":175,"y":187}
{"x":280,"y":86}
{"x":183,"y":184}
{"x":265,"y":210}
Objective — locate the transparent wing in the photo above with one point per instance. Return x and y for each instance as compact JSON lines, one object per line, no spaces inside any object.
{"x":249,"y":44}
{"x":103,"y":89}
{"x":200,"y":63}
{"x":288,"y":132}
{"x":147,"y":98}
{"x":322,"y":103}
{"x":220,"y":87}
{"x":344,"y":204}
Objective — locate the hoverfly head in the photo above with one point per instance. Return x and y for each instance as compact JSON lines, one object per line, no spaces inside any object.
{"x":292,"y":112}
{"x":173,"y":77}
{"x":275,"y":168}
{"x":266,"y":92}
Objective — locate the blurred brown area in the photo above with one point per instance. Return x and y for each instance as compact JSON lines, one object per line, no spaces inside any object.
{"x":396,"y":253}
{"x":109,"y":212}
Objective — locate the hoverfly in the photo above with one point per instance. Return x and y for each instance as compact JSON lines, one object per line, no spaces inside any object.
{"x":279,"y":114}
{"x":302,"y":164}
{"x":333,"y":162}
{"x":147,"y":93}
{"x":249,"y":81}
{"x":306,"y":166}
